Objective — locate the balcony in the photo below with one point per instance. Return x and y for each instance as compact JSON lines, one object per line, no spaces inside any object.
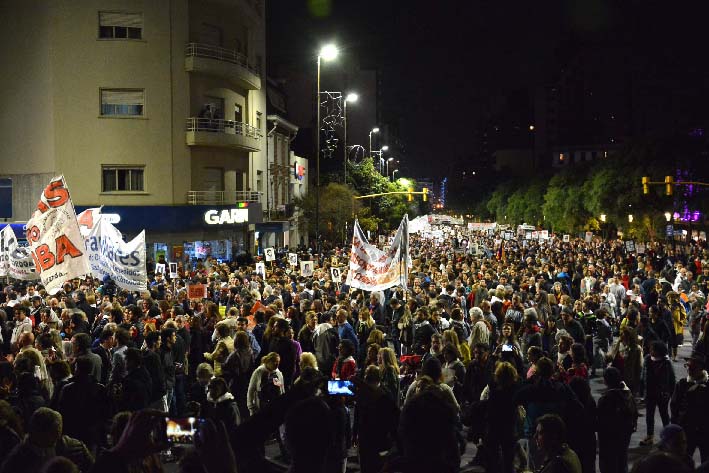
{"x":221,"y":62}
{"x":222,"y":133}
{"x":221,"y":197}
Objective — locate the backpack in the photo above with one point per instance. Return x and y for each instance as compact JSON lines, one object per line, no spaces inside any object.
{"x":270,"y":388}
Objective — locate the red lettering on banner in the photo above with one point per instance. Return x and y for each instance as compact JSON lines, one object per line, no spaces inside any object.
{"x":86,"y":218}
{"x":66,"y":247}
{"x":33,"y":234}
{"x":55,"y":194}
{"x":43,"y":257}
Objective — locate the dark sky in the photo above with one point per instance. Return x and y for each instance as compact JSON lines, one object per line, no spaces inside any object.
{"x":440,"y":61}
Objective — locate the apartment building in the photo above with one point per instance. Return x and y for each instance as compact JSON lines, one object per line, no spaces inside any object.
{"x":155,"y":110}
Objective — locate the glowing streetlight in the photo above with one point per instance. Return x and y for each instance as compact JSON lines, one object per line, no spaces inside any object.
{"x":374,"y":130}
{"x":385,"y":148}
{"x":630,"y":218}
{"x":351,"y":97}
{"x":327,"y":53}
{"x":603,"y":218}
{"x":668,"y":216}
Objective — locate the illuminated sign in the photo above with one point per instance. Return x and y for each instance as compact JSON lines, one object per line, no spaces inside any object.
{"x":231,"y":216}
{"x":298,"y":171}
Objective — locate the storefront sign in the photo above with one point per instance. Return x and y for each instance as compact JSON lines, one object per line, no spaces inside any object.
{"x":230,"y":216}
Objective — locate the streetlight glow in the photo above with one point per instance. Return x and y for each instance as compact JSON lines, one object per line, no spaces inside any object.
{"x":375,"y":130}
{"x":329,"y":52}
{"x":603,"y":218}
{"x":351,"y":97}
{"x":385,"y":148}
{"x":668,"y":216}
{"x":390,"y":159}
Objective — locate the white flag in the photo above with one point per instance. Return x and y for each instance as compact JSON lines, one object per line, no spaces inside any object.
{"x":124,"y":262}
{"x":87,"y":219}
{"x":15,"y":261}
{"x":55,"y":241}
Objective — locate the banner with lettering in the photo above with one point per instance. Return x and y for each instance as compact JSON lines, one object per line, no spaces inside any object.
{"x":15,"y":260}
{"x":124,"y":262}
{"x":372,"y":269}
{"x":55,"y":241}
{"x":87,"y":219}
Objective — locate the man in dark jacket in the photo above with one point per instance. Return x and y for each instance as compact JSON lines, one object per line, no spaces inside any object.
{"x":82,"y":404}
{"x":137,"y":385}
{"x":106,"y":342}
{"x":572,"y":326}
{"x":152,"y":363}
{"x":81,"y":347}
{"x":689,"y":405}
{"x":168,"y":339}
{"x":550,"y":437}
{"x":617,"y":420}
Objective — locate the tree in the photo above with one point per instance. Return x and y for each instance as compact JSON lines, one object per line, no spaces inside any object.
{"x":337,"y":209}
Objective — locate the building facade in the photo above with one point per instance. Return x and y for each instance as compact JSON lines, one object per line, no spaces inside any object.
{"x":152,"y":109}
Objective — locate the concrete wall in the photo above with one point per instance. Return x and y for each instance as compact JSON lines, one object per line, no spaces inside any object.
{"x":26,"y":191}
{"x":26,"y":94}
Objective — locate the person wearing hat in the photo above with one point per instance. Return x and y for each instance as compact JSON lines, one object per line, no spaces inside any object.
{"x":689,"y":405}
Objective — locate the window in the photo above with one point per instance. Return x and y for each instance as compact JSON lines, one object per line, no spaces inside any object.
{"x":122,"y":179}
{"x":120,"y":25}
{"x":258,"y":120}
{"x":122,"y":102}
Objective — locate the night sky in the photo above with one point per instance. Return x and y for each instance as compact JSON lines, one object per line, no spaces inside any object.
{"x":441,"y":61}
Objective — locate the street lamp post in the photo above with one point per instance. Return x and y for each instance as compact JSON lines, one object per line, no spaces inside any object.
{"x":393,"y":174}
{"x":351,"y":97}
{"x":374,"y":130}
{"x":381,"y":158}
{"x":328,"y":53}
{"x":388,"y":161}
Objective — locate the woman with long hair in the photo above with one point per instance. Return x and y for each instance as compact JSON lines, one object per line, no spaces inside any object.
{"x":280,"y":343}
{"x":502,"y":424}
{"x":450,"y":336}
{"x":238,"y":368}
{"x":390,"y":374}
{"x":364,"y":329}
{"x":626,"y":355}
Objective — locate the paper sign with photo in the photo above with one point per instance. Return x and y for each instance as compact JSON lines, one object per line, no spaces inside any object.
{"x":261,"y":269}
{"x":336,"y":274}
{"x":306,"y":268}
{"x":159,"y":268}
{"x":567,"y":238}
{"x":293,"y":259}
{"x":173,"y":270}
{"x":270,"y":254}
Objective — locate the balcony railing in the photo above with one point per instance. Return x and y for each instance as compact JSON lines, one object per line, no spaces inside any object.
{"x":217,"y":125}
{"x":221,"y":197}
{"x":221,"y":54}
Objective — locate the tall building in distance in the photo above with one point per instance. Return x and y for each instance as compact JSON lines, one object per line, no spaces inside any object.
{"x":155,"y":110}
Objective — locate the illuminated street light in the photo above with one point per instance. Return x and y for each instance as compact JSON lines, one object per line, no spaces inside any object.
{"x":668,"y":216}
{"x":630,"y":218}
{"x":385,"y":148}
{"x":603,"y":218}
{"x":327,"y":53}
{"x":374,"y":130}
{"x":351,"y":97}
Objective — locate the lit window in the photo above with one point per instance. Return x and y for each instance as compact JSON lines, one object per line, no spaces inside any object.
{"x":122,"y":102}
{"x":122,"y":179}
{"x":561,"y":157}
{"x":120,"y":25}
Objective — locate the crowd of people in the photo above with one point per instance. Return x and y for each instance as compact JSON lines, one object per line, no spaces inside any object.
{"x":492,"y":348}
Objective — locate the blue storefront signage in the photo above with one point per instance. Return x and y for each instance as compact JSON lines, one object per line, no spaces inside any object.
{"x":180,"y":218}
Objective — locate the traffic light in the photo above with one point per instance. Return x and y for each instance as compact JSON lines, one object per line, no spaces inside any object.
{"x":410,"y":196}
{"x":646,"y":188}
{"x":669,"y":184}
{"x":425,"y":194}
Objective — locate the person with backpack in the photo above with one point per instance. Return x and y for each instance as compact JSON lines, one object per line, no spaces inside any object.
{"x":617,"y":420}
{"x":266,"y":383}
{"x":325,"y":342}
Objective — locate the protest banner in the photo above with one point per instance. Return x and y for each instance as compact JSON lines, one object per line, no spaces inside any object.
{"x":15,"y":260}
{"x":372,"y":269}
{"x":54,"y":238}
{"x":109,"y":255}
{"x":196,"y":291}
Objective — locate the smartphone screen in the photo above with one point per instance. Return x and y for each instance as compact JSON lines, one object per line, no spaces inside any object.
{"x":339,"y":388}
{"x":506,"y":347}
{"x":182,"y":430}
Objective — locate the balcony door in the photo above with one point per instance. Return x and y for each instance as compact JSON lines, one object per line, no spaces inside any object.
{"x":238,"y":113}
{"x":213,"y":181}
{"x":210,"y":34}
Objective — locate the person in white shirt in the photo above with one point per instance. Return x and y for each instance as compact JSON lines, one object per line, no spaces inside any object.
{"x":22,"y":323}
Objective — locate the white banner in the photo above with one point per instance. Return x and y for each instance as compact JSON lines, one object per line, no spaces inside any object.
{"x":111,"y":256}
{"x":87,"y":219}
{"x":372,"y":269}
{"x":54,"y":238}
{"x":15,"y":261}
